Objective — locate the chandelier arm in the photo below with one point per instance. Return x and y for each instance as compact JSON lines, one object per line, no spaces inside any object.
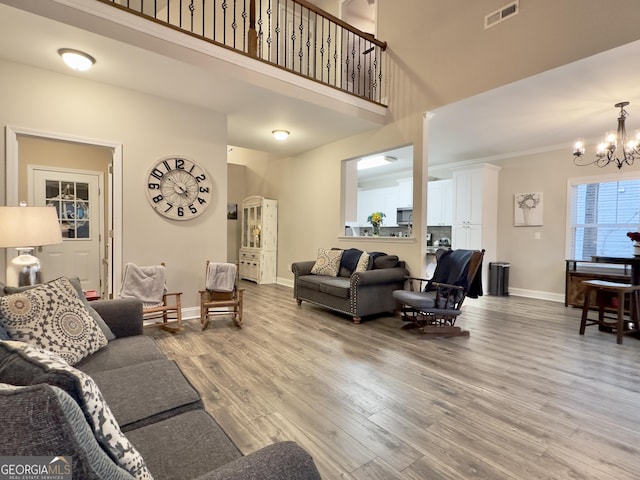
{"x":607,"y":153}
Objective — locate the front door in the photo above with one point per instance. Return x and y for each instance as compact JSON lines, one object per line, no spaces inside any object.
{"x":77,"y":198}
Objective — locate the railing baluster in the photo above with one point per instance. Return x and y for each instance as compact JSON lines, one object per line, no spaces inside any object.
{"x":335,"y":57}
{"x":327,"y":49}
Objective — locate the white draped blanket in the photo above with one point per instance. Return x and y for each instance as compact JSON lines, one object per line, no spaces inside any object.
{"x":221,"y":277}
{"x":144,"y":283}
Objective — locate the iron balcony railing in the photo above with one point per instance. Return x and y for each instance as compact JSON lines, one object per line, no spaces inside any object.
{"x":291,"y":34}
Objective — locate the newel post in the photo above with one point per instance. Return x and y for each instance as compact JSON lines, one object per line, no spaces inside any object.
{"x":252,"y":34}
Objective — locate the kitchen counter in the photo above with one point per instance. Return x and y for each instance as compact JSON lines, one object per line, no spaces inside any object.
{"x":432,"y":250}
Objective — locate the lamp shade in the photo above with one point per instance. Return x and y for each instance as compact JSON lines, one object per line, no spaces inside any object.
{"x":29,"y":227}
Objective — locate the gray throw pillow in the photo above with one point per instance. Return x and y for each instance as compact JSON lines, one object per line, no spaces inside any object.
{"x":385,"y":261}
{"x":32,"y":434}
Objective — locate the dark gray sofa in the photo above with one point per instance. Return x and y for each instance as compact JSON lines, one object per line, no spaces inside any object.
{"x":357,"y":294}
{"x":156,"y":407}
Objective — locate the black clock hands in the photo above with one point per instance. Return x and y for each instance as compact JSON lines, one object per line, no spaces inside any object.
{"x":184,"y":191}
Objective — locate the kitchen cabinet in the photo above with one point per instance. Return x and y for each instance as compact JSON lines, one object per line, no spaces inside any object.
{"x":405,"y":193}
{"x":467,"y":236}
{"x":383,"y":200}
{"x":475,"y":211}
{"x":440,"y":202}
{"x":475,"y":219}
{"x":258,"y":251}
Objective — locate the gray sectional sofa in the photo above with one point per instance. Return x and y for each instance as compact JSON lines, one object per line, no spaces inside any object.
{"x":157,"y":408}
{"x":354,"y":293}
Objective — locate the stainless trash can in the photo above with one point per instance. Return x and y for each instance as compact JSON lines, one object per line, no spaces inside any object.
{"x":499,"y":278}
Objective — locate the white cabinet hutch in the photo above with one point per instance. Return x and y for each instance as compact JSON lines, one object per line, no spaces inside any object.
{"x":258,"y":250}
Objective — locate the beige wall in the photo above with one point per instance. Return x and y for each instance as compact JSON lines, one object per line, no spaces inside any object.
{"x":439,"y":54}
{"x":148,"y":129}
{"x":538,"y":265}
{"x":236,"y":193}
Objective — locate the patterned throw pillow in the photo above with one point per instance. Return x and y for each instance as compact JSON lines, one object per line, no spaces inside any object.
{"x":51,"y":316}
{"x":97,"y":412}
{"x":75,"y":282}
{"x":327,"y":263}
{"x":363,"y":263}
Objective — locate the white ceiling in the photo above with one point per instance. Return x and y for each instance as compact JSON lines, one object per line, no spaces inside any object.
{"x":545,"y":111}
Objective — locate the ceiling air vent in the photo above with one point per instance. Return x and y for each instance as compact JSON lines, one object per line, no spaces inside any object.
{"x":501,"y":14}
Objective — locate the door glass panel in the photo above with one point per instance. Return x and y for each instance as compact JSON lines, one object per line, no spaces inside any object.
{"x":71,"y":201}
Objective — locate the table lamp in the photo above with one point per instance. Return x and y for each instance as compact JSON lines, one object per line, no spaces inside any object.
{"x":22,"y":226}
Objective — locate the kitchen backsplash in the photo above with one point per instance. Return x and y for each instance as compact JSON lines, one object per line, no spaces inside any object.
{"x":437,"y":232}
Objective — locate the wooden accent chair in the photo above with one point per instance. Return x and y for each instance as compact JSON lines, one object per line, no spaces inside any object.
{"x":221,"y":295}
{"x":148,"y":284}
{"x":433,"y":306}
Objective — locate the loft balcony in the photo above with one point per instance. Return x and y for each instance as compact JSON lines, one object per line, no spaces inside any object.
{"x":145,"y":46}
{"x":291,"y":34}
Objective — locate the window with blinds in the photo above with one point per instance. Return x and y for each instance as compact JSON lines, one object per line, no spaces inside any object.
{"x":601,"y":215}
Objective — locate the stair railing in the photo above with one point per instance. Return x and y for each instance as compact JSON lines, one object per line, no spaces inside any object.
{"x":292,"y":34}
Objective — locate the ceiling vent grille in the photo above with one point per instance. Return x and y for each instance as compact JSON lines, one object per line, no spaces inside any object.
{"x":501,"y":14}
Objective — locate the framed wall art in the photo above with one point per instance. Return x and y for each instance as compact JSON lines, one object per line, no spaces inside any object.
{"x":232,"y":211}
{"x":527,"y":209}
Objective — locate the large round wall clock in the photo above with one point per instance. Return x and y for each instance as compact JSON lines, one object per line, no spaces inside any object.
{"x":179,"y":188}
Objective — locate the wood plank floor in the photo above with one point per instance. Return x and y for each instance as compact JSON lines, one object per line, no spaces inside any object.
{"x":524,"y":397}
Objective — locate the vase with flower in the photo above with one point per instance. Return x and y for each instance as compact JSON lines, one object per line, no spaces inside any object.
{"x":375,"y":219}
{"x":635,"y":237}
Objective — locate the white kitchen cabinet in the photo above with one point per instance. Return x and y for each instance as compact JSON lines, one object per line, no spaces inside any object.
{"x":475,"y":222}
{"x":258,"y":251}
{"x":383,"y":200}
{"x":405,"y":193}
{"x":475,"y":219}
{"x":467,"y":236}
{"x":440,"y":202}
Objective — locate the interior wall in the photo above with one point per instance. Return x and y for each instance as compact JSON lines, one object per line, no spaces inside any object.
{"x":308,"y":190}
{"x":236,"y":193}
{"x":538,"y":266}
{"x":149,"y":129}
{"x":439,"y":53}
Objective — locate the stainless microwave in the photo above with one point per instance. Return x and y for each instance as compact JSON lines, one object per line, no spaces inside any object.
{"x":404,"y":216}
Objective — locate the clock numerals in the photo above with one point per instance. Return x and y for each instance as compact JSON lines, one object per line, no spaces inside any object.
{"x":157,"y":173}
{"x":178,"y":188}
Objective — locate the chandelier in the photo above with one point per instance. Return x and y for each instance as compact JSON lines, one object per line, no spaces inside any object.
{"x":615,"y":148}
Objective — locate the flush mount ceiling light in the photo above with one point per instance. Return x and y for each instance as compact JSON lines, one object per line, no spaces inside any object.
{"x":377,"y":161}
{"x":280,"y":134}
{"x":615,"y":148}
{"x":76,"y":59}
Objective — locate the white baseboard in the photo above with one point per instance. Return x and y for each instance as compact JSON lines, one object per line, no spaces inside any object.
{"x":284,"y":281}
{"x":550,"y":296}
{"x":518,"y":292}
